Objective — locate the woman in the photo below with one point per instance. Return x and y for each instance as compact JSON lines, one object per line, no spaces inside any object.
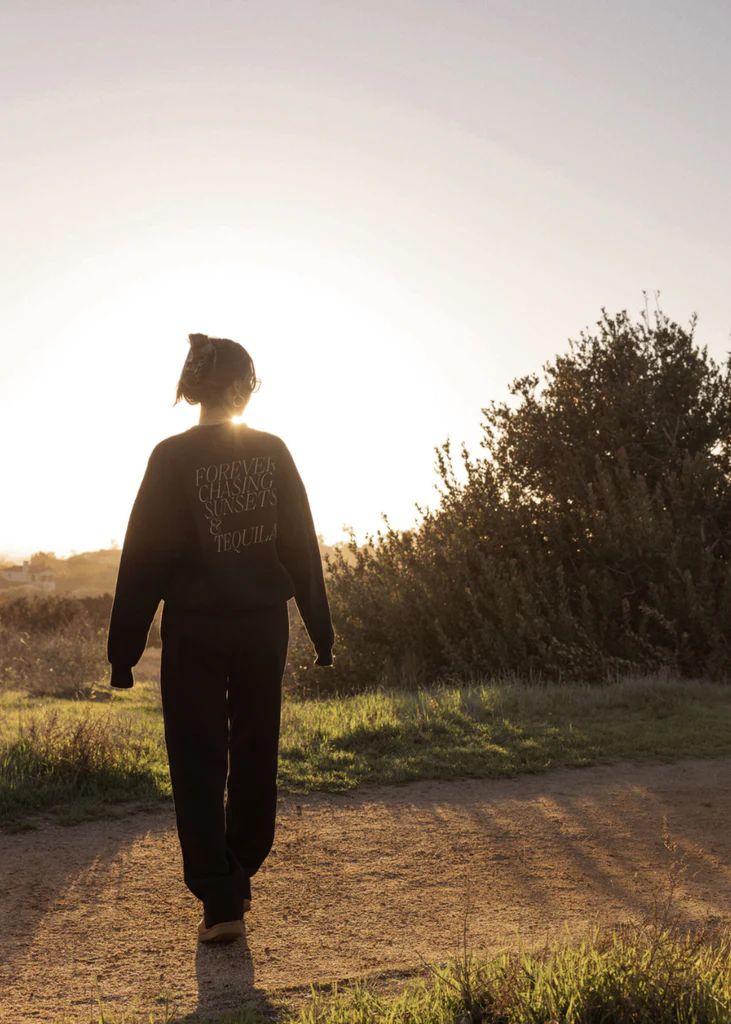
{"x":221,"y":530}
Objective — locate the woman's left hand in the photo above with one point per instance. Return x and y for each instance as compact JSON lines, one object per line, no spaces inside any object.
{"x":121,"y":678}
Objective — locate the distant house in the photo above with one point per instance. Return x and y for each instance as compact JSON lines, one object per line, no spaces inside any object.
{"x":30,"y":576}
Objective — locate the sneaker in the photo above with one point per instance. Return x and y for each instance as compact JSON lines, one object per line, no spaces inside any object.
{"x":224,"y":931}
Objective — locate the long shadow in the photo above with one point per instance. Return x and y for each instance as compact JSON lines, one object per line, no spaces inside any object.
{"x":46,"y":873}
{"x":225,"y":977}
{"x":622,"y":864}
{"x":38,"y":866}
{"x":56,"y":871}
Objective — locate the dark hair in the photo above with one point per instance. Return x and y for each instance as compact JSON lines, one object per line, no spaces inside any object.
{"x":211,"y":366}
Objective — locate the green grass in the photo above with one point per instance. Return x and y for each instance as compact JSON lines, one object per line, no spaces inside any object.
{"x":497,"y":730}
{"x":640,"y":974}
{"x":78,"y":761}
{"x":76,"y":758}
{"x":661,"y":978}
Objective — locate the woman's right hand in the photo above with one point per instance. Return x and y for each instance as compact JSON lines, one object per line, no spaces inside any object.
{"x":325,"y":659}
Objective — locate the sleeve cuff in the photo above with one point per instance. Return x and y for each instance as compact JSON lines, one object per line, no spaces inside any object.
{"x":122,"y":678}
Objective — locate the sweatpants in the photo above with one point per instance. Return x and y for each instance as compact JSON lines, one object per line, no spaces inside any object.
{"x":221,"y":684}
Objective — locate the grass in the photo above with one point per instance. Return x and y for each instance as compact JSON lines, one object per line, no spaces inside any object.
{"x":497,"y":730}
{"x":617,"y":978}
{"x":77,"y":763}
{"x":612,"y":978}
{"x":636,"y":974}
{"x":76,"y":758}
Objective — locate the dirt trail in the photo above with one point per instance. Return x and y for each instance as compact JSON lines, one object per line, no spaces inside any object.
{"x":356,"y":884}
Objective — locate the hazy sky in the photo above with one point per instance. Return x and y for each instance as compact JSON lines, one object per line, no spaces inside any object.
{"x":396,"y":206}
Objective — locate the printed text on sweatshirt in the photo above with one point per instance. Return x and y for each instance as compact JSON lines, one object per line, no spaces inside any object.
{"x":221,"y":523}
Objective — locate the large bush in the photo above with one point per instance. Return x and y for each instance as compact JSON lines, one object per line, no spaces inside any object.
{"x":589,"y":537}
{"x":57,"y":643}
{"x":46,"y":613}
{"x":66,"y":662}
{"x":53,"y":644}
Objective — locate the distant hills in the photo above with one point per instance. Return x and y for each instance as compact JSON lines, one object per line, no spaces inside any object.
{"x":84,"y":575}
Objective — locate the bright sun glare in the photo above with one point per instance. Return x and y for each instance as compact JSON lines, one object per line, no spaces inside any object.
{"x":324,"y":360}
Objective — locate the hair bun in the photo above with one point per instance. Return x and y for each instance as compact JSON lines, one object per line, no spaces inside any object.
{"x":211,"y":365}
{"x":200,"y":362}
{"x":198,"y":341}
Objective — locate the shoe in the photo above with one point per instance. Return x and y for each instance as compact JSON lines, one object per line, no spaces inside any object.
{"x":224,"y":931}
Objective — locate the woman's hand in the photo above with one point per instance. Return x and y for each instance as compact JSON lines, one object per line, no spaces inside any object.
{"x":122,"y":678}
{"x":325,"y":659}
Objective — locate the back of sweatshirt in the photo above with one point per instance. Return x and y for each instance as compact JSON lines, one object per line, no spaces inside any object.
{"x":221,"y":523}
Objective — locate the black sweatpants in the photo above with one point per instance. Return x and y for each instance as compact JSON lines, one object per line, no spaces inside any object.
{"x":221,"y":683}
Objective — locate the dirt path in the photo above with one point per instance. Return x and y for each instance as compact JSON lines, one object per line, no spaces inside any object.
{"x":362,"y":883}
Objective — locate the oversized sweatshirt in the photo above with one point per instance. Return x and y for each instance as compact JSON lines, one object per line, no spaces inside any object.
{"x":221,"y":523}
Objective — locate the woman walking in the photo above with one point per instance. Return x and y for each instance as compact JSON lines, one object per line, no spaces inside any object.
{"x":221,"y":530}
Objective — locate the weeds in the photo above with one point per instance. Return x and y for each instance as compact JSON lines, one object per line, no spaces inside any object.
{"x":379,"y":737}
{"x":67,"y":662}
{"x":637,"y":975}
{"x":650,"y":971}
{"x":55,"y":760}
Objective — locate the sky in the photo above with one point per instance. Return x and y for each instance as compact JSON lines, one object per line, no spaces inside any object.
{"x":396,"y":206}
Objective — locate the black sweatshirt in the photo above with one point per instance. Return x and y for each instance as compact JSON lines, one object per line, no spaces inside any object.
{"x":221,"y":523}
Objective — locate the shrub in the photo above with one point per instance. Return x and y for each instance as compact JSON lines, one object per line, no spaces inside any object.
{"x":66,"y":662}
{"x":301,"y":677}
{"x":43,"y":614}
{"x":56,"y":644}
{"x":592,"y":537}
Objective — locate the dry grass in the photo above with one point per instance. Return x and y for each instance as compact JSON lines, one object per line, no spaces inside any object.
{"x":78,"y":762}
{"x":650,"y":971}
{"x":69,"y":661}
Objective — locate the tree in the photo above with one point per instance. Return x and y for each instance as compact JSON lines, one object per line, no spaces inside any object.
{"x":43,"y":560}
{"x":590,"y":536}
